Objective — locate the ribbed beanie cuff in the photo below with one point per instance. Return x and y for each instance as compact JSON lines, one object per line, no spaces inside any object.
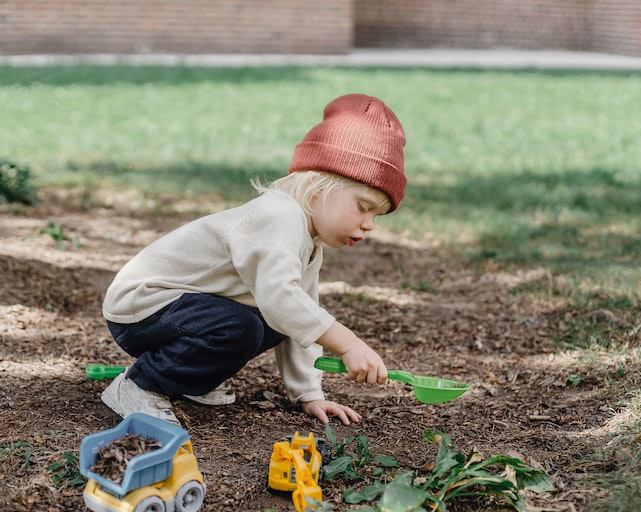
{"x":359,"y":138}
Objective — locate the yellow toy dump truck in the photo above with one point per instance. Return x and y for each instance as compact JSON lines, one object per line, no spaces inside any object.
{"x":296,"y":466}
{"x":166,"y":479}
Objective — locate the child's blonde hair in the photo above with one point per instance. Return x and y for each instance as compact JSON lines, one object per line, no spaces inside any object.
{"x":304,"y":185}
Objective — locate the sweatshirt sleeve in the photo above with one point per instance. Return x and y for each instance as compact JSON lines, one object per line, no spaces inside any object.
{"x":272,"y":252}
{"x":303,"y":382}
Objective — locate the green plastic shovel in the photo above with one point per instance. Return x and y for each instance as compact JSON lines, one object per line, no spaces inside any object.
{"x":427,"y":390}
{"x":99,"y":371}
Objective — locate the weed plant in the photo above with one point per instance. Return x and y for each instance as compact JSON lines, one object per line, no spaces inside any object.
{"x":16,"y":184}
{"x":454,"y":476}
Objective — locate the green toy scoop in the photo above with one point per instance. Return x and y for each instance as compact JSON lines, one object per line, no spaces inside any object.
{"x":427,"y":390}
{"x":99,"y":371}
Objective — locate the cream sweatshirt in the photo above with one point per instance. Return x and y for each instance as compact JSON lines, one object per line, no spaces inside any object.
{"x":259,"y":254}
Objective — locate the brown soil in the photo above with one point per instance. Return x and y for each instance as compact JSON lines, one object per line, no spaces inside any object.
{"x":453,"y":320}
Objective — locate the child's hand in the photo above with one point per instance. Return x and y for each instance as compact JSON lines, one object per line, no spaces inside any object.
{"x":322,"y":409}
{"x":364,"y":365}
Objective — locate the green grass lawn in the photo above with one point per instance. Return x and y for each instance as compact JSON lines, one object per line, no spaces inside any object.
{"x":524,"y":167}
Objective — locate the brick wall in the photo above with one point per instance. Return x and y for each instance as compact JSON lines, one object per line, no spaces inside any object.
{"x":472,"y":24}
{"x":616,"y":26}
{"x":305,"y":26}
{"x":175,"y":26}
{"x":580,"y":25}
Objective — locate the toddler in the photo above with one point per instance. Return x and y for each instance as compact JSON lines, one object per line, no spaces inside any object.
{"x":200,"y":302}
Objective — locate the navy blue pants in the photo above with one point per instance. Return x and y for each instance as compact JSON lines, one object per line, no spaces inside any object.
{"x":194,"y":344}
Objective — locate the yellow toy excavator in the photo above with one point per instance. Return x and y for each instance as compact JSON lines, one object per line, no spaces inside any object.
{"x":296,"y":466}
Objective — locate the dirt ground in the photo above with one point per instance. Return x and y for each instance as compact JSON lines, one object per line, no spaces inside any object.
{"x":425,"y":309}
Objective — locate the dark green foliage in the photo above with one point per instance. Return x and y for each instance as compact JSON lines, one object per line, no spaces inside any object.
{"x":66,"y":472}
{"x":15,"y":184}
{"x":454,"y":476}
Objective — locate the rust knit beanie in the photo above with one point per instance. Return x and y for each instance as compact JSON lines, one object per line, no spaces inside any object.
{"x":359,"y":138}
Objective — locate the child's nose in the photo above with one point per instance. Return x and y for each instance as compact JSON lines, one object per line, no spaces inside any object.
{"x":367,"y":224}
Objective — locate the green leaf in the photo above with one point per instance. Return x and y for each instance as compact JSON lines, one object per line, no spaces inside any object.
{"x":447,"y":458}
{"x":385,"y":460}
{"x":496,"y":483}
{"x":527,"y":477}
{"x":66,"y":472}
{"x":433,"y":436}
{"x":331,"y":436}
{"x":339,"y":447}
{"x":446,"y":470}
{"x":401,"y":496}
{"x":538,"y":481}
{"x":369,"y":493}
{"x":338,"y":466}
{"x":362,"y":450}
{"x":27,"y":458}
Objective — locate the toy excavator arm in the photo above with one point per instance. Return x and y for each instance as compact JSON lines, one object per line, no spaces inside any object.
{"x":306,"y":487}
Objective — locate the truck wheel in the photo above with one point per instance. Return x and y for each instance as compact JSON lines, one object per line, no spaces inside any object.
{"x":150,"y":504}
{"x":190,"y":497}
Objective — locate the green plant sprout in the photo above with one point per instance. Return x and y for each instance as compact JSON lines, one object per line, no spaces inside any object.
{"x":22,"y":456}
{"x":22,"y":449}
{"x":55,"y":231}
{"x":66,"y":472}
{"x":359,"y":465}
{"x":575,"y":379}
{"x":453,"y":476}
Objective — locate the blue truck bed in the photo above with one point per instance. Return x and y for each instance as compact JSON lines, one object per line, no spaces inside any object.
{"x":145,"y":469}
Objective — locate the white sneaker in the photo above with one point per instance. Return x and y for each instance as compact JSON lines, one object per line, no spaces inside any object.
{"x":222,"y":395}
{"x":124,"y":397}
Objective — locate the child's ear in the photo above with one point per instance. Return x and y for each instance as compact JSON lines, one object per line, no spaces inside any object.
{"x":310,"y":178}
{"x":317,"y":194}
{"x":309,"y":183}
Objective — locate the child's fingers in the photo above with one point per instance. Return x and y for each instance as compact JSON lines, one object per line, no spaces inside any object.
{"x":353,"y":415}
{"x":347,"y":415}
{"x":322,"y":416}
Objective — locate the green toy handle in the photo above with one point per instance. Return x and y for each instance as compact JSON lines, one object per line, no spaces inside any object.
{"x":335,"y":365}
{"x":330,"y":364}
{"x":427,"y":390}
{"x":99,"y":371}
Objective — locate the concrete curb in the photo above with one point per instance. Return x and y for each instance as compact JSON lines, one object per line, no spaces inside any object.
{"x":430,"y":58}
